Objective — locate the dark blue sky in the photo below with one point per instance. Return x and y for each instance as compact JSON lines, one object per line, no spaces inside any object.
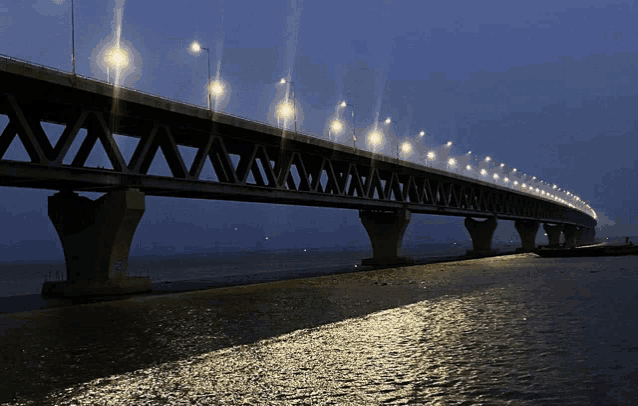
{"x":548,"y":87}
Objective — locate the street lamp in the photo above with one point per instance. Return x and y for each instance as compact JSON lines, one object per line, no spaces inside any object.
{"x":117,"y":58}
{"x":406,"y":149}
{"x":72,"y":37}
{"x":375,"y":138}
{"x":196,"y":48}
{"x":390,"y":121}
{"x":285,"y":110}
{"x":354,"y":136}
{"x":336,"y":127}
{"x":431,"y":156}
{"x":294,"y":103}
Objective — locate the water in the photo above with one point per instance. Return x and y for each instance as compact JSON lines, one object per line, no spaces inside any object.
{"x":509,"y":330}
{"x":26,"y":278}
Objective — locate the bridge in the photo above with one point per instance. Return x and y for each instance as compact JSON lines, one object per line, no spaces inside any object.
{"x":252,"y":162}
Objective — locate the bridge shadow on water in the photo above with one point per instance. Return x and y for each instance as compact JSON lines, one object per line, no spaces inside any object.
{"x":49,"y":350}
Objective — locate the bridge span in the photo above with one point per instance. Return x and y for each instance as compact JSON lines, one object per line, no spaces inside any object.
{"x":252,"y":162}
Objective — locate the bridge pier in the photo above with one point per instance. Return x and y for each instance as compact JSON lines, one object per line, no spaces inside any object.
{"x":579,"y":235}
{"x":481,"y":233}
{"x":386,"y":231}
{"x":569,"y":231}
{"x":527,"y":230}
{"x":96,"y":237}
{"x":553,"y":234}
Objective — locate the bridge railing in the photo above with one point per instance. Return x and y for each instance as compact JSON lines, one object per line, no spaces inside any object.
{"x":145,"y":93}
{"x":200,"y":107}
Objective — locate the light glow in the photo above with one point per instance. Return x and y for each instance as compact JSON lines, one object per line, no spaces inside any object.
{"x":431,"y":155}
{"x":422,"y":133}
{"x":406,"y":148}
{"x":116,"y":58}
{"x":216,"y":88}
{"x":375,"y":137}
{"x":196,"y":47}
{"x":285,"y":110}
{"x":336,"y":126}
{"x":451,"y":162}
{"x":483,"y":172}
{"x":387,"y":120}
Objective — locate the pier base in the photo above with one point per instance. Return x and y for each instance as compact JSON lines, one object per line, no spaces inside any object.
{"x":386,"y":231}
{"x":553,"y":234}
{"x":578,"y":235}
{"x":481,"y":233}
{"x":527,"y":230}
{"x":590,"y":235}
{"x":96,"y":237}
{"x":569,"y":231}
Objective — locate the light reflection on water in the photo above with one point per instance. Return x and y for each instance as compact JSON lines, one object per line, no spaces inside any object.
{"x":517,"y":331}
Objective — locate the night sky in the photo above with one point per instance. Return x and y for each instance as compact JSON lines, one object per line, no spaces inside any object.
{"x":548,"y":87}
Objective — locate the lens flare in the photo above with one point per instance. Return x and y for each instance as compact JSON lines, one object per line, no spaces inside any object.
{"x":285,"y":110}
{"x":195,"y":47}
{"x":374,"y":138}
{"x":116,"y":58}
{"x":336,"y":126}
{"x":216,"y":88}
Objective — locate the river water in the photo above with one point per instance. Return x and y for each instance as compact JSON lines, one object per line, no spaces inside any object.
{"x":510,"y":330}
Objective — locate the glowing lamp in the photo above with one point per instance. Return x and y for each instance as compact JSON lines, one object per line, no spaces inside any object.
{"x":374,"y":137}
{"x":116,"y":58}
{"x":195,"y":47}
{"x":336,"y":126}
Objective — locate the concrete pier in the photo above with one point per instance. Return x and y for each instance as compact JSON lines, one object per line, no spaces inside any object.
{"x":553,"y":234}
{"x":579,"y":235}
{"x":481,"y":233}
{"x":96,"y":237}
{"x":386,"y":231}
{"x":569,"y":231}
{"x":527,"y":230}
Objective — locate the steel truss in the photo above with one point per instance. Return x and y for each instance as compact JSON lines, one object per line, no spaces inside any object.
{"x":252,"y":162}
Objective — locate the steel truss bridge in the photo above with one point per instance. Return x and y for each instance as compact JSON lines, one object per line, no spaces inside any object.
{"x":252,"y":161}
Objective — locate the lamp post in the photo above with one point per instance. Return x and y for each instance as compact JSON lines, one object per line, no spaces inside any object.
{"x":390,"y":121}
{"x":72,"y":38}
{"x":196,"y":48}
{"x":294,"y":102}
{"x":354,"y":136}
